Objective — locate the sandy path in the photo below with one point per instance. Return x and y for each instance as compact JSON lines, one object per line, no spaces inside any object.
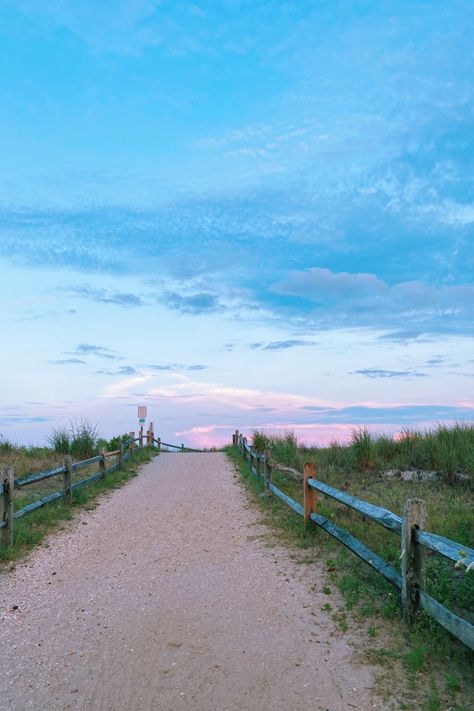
{"x":164,"y":597}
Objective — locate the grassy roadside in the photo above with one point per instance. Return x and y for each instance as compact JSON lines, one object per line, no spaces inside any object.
{"x":30,"y":530}
{"x":421,"y":667}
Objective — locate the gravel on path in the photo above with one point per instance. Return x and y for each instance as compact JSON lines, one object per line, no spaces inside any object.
{"x":167,"y":596}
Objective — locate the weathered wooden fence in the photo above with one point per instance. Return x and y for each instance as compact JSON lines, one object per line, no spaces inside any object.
{"x":410,"y":527}
{"x":9,"y":484}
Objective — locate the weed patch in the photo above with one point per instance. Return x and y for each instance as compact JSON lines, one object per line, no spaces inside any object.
{"x":30,"y":530}
{"x":417,"y":654}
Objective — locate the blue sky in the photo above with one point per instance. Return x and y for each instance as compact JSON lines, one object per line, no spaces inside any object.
{"x":242,"y":214}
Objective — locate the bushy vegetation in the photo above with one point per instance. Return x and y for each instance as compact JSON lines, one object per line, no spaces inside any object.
{"x":449,"y":450}
{"x":80,"y":439}
{"x":31,"y":530}
{"x":368,"y":599}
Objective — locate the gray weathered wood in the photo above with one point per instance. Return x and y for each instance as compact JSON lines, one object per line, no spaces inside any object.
{"x":445,"y":547}
{"x":85,"y":463}
{"x":38,"y":476}
{"x":413,"y":556}
{"x":361,"y":550}
{"x":29,"y":508}
{"x":88,"y":480}
{"x":458,"y":627}
{"x":6,"y":505}
{"x":68,"y":479}
{"x":287,"y":499}
{"x":267,"y":472}
{"x":132,"y":443}
{"x":120,"y":459}
{"x":383,"y":516}
{"x":102,"y":464}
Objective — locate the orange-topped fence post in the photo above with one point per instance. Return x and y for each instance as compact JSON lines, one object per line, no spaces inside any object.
{"x":310,"y":496}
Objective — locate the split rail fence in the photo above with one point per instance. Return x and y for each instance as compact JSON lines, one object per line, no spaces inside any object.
{"x":411,"y":581}
{"x":9,"y":484}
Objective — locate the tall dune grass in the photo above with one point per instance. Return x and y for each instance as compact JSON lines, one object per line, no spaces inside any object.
{"x":449,"y":450}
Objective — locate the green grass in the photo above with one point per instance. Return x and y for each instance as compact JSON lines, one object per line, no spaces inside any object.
{"x":449,"y":450}
{"x":414,"y":654}
{"x":31,"y":529}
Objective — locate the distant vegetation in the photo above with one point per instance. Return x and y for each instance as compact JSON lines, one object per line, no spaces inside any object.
{"x":81,"y":439}
{"x":449,"y":450}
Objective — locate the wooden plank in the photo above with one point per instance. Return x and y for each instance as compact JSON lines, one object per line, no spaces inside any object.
{"x":462,"y":629}
{"x":357,"y":547}
{"x":6,"y":505}
{"x":383,"y":516}
{"x":287,"y":499}
{"x":102,"y":469}
{"x":88,"y":480}
{"x":112,"y":468}
{"x":267,"y":472}
{"x":445,"y":547}
{"x":38,"y":476}
{"x":39,"y":504}
{"x":68,"y":479}
{"x":413,"y":557}
{"x":115,"y":453}
{"x":85,"y":462}
{"x":309,"y":494}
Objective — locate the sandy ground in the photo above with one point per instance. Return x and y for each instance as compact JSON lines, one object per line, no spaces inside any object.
{"x":166,"y":596}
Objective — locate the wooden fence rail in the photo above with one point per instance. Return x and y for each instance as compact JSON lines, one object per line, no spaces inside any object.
{"x":410,"y":527}
{"x":8,"y":483}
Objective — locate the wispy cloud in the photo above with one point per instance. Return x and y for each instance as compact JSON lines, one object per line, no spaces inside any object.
{"x":86,"y":349}
{"x":104,"y":296}
{"x":381,"y":373}
{"x":282,"y":345}
{"x":123,"y":370}
{"x":407,"y":308}
{"x":169,"y":367}
{"x":200,"y":303}
{"x":68,"y":361}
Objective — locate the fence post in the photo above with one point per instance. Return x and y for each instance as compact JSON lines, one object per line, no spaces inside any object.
{"x":132,"y":443}
{"x":413,"y":556}
{"x":267,"y":472}
{"x":6,"y":505}
{"x":237,"y":436}
{"x":140,"y":441}
{"x":152,"y":434}
{"x":309,"y":495}
{"x":244,"y":442}
{"x":159,"y":444}
{"x":182,"y":447}
{"x":102,"y":464}
{"x":120,"y":461}
{"x":68,"y":479}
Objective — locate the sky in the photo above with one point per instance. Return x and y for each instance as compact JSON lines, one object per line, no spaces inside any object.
{"x":242,"y":214}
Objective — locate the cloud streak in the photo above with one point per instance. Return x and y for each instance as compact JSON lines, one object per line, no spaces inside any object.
{"x":382,"y":373}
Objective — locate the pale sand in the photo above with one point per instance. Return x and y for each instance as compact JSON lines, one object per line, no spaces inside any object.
{"x":166,"y":597}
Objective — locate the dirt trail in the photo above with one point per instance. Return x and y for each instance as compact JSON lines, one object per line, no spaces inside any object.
{"x":166,"y":597}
